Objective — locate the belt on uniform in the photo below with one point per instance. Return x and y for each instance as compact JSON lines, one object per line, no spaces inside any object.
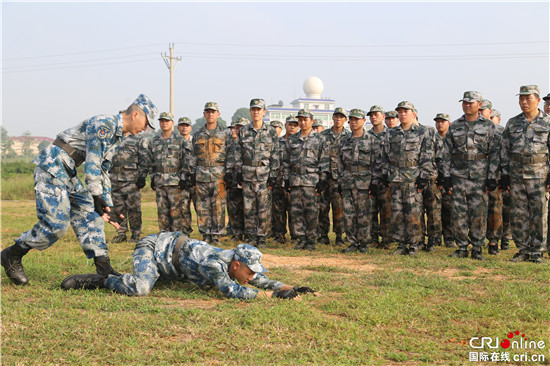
{"x":168,"y":170}
{"x":404,"y":164}
{"x":470,"y":157}
{"x":252,"y":163}
{"x":73,"y":153}
{"x":530,"y":159}
{"x":357,"y":168}
{"x":177,"y":251}
{"x":301,"y":170}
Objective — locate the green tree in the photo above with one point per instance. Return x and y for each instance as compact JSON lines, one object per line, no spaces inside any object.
{"x":26,"y":147}
{"x":199,"y":122}
{"x":6,"y":143}
{"x":43,"y":145}
{"x":241,"y":113}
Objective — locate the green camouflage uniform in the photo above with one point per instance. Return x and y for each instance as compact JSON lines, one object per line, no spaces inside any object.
{"x":446,"y":198}
{"x":525,"y":149}
{"x":431,"y":197}
{"x":124,"y":174}
{"x":305,"y":162}
{"x":164,"y":159}
{"x":187,"y":195}
{"x":235,"y":206}
{"x":494,"y":209}
{"x":281,"y":200}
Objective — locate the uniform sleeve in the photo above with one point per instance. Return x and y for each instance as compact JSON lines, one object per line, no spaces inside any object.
{"x":324,"y":160}
{"x":446,"y":153}
{"x":505,"y":150}
{"x":230,"y":288}
{"x":494,"y":153}
{"x":191,"y":159}
{"x":261,"y":281}
{"x":427,"y":161}
{"x":384,"y":168}
{"x":376,"y":161}
{"x":143,"y":147}
{"x":96,"y":148}
{"x":237,"y":153}
{"x":274,"y":161}
{"x":230,"y":158}
{"x":286,"y":159}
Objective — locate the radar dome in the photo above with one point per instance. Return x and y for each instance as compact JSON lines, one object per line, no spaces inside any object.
{"x":313,"y":87}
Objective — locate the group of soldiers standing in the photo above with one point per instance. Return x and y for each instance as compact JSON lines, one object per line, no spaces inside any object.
{"x":459,"y":184}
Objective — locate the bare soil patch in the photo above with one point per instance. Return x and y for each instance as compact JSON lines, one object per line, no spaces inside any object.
{"x":271,"y":260}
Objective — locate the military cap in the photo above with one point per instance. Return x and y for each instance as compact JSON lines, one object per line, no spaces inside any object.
{"x":147,"y":106}
{"x":291,"y":119}
{"x":529,"y":89}
{"x":375,"y":108}
{"x":357,"y":113}
{"x":342,"y":111}
{"x":304,"y":113}
{"x":167,"y":115}
{"x":251,"y":256}
{"x":212,"y":105}
{"x":276,"y":123}
{"x":257,"y":103}
{"x":391,"y":114}
{"x":486,"y":104}
{"x":406,"y":105}
{"x":444,"y":116}
{"x":495,"y":113}
{"x":472,"y":96}
{"x":241,"y":121}
{"x":547,"y":97}
{"x":317,"y":123}
{"x":184,"y":121}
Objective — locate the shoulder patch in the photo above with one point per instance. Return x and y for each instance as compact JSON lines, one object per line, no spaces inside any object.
{"x":103,"y":132}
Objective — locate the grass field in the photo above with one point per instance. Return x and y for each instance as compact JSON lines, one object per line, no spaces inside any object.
{"x":374,"y":309}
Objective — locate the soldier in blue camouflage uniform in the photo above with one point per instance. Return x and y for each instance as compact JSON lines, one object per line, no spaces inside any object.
{"x":256,"y":167}
{"x":175,"y":257}
{"x":205,"y":172}
{"x":391,"y":120}
{"x":165,"y":165}
{"x":305,"y":170}
{"x":330,"y":196}
{"x":62,"y":199}
{"x":470,"y":167}
{"x":358,"y":174}
{"x":524,"y":153}
{"x":235,"y":205}
{"x":442,"y":123}
{"x":187,"y":195}
{"x":381,"y":210}
{"x":407,"y":167}
{"x":126,"y":183}
{"x":281,"y":196}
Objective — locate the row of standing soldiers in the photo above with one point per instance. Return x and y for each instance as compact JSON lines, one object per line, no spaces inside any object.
{"x":398,"y":183}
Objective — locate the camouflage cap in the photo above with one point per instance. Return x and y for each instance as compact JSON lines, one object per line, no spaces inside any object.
{"x":184,"y":121}
{"x":166,"y":115}
{"x":304,"y":113}
{"x":276,"y":123}
{"x":495,"y":113}
{"x":241,"y":121}
{"x":547,"y":97}
{"x":212,"y":105}
{"x":375,"y":108}
{"x":357,"y":113}
{"x":472,"y":96}
{"x":317,"y":123}
{"x":444,"y":116}
{"x":391,"y":114}
{"x":291,"y":119}
{"x":342,"y":111}
{"x":147,"y":106}
{"x":251,"y":256}
{"x":257,"y":103}
{"x":406,"y":105}
{"x":529,"y":89}
{"x":486,"y":104}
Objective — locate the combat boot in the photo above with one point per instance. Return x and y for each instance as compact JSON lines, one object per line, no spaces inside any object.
{"x":261,"y":243}
{"x":351,"y":248}
{"x":449,"y":242}
{"x":459,"y":253}
{"x":413,"y":250}
{"x":363,"y":248}
{"x":215,"y":240}
{"x":520,"y":257}
{"x":430,"y":246}
{"x":310,"y":245}
{"x":279,"y":238}
{"x":119,"y":238}
{"x":437,"y":241}
{"x":384,"y":244}
{"x":11,"y":261}
{"x":301,"y":244}
{"x":103,"y":266}
{"x":323,"y":239}
{"x":504,"y":244}
{"x":339,"y":241}
{"x":536,"y":258}
{"x":492,"y":249}
{"x":134,"y":238}
{"x":401,"y":249}
{"x":207,"y":238}
{"x":476,"y":254}
{"x":89,"y":281}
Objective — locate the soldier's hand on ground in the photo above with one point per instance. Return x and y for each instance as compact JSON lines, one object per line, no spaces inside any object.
{"x":140,"y":183}
{"x":448,"y":185}
{"x":100,"y":206}
{"x":271,"y":182}
{"x":228,"y":180}
{"x":153,"y":185}
{"x":182,"y":184}
{"x":421,"y":183}
{"x":504,"y":183}
{"x":490,"y":184}
{"x":285,"y":294}
{"x":305,"y":290}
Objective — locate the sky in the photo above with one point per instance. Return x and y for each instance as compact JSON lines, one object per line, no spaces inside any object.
{"x":65,"y":62}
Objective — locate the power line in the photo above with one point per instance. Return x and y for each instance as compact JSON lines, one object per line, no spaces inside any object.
{"x":81,"y":66}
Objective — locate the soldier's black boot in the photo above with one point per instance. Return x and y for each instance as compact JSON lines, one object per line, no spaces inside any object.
{"x":89,"y":281}
{"x":310,"y":245}
{"x":301,"y":244}
{"x":134,"y":238}
{"x":476,"y":254}
{"x":339,"y":241}
{"x":504,"y":244}
{"x":119,"y":238}
{"x":363,"y":248}
{"x":449,"y":242}
{"x":207,"y":238}
{"x":215,"y":240}
{"x":103,"y":266}
{"x":520,"y":257}
{"x":323,"y":239}
{"x":536,"y":258}
{"x":413,"y":249}
{"x":351,"y":248}
{"x":430,"y":246}
{"x":460,"y":253}
{"x":492,"y":249}
{"x":11,"y":261}
{"x":385,"y":244}
{"x":401,"y":249}
{"x":261,"y":242}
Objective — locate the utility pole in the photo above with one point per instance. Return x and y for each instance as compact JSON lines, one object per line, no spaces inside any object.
{"x":171,"y":62}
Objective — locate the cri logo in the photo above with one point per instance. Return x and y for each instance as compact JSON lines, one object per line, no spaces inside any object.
{"x":505,"y":343}
{"x":494,"y":343}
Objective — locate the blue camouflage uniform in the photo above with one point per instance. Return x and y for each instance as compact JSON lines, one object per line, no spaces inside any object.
{"x":199,"y":263}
